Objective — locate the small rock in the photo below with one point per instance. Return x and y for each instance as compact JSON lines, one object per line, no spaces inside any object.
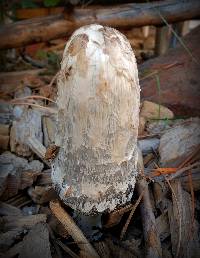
{"x":17,"y":112}
{"x":160,"y":126}
{"x":35,"y":165}
{"x":178,"y":142}
{"x":28,"y":125}
{"x":23,"y":92}
{"x":152,"y":110}
{"x":148,"y":145}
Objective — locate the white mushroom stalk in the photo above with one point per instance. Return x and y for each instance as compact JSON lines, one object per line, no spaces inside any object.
{"x":97,"y":124}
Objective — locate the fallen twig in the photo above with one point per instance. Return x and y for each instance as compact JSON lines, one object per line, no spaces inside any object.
{"x":124,"y":229}
{"x":15,"y":100}
{"x":182,"y":170}
{"x":72,"y":228}
{"x":50,"y":110}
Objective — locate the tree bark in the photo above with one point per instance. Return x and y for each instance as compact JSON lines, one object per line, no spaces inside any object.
{"x":125,"y":15}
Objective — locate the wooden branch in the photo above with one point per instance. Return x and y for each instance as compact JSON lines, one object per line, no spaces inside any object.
{"x":124,"y":229}
{"x":115,"y":216}
{"x":46,"y":28}
{"x":73,"y":229}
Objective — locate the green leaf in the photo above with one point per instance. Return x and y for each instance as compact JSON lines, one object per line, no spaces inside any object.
{"x":50,"y":3}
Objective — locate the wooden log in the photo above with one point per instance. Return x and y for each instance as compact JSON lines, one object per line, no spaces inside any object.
{"x":162,"y":40}
{"x":55,"y":26}
{"x":28,"y":13}
{"x":178,"y":75}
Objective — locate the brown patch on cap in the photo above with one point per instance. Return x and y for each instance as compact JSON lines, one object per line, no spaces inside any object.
{"x":78,"y":43}
{"x":77,"y":48}
{"x":102,"y":88}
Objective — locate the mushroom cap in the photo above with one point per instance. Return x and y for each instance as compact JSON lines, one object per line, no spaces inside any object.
{"x":97,"y":124}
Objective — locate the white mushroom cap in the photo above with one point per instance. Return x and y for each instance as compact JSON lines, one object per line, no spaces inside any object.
{"x":97,"y":125}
